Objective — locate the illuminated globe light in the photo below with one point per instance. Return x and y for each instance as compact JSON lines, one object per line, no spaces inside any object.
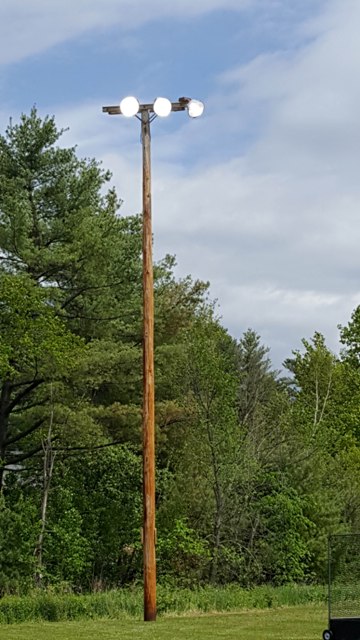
{"x":162,"y":107}
{"x":195,"y":108}
{"x":129,"y":106}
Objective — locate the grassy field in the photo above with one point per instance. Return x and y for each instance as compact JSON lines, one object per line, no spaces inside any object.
{"x":286,"y":623}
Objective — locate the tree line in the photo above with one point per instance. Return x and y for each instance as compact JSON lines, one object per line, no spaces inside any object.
{"x":254,"y":468}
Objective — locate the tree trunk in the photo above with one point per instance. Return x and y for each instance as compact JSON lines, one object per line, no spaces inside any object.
{"x":218,"y":505}
{"x":217,"y":535}
{"x":4,"y":420}
{"x":49,"y":459}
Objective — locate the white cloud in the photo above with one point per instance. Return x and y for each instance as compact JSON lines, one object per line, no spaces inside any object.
{"x":312,"y":98}
{"x":273,"y":223}
{"x":30,"y":27}
{"x":282,"y":219}
{"x":277,"y":314}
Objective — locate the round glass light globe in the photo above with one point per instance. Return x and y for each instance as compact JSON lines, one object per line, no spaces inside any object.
{"x":195,"y":108}
{"x":162,"y":107}
{"x":129,"y":106}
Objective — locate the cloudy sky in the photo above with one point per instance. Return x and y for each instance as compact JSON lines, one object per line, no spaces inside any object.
{"x":261,"y":196}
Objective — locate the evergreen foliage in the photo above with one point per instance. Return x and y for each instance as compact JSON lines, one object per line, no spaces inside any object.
{"x":254,"y":471}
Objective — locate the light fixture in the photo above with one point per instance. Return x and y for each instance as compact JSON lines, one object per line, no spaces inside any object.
{"x":129,"y":106}
{"x":162,"y":107}
{"x":195,"y":108}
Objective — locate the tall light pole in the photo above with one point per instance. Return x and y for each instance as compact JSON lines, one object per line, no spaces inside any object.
{"x":146,"y":113}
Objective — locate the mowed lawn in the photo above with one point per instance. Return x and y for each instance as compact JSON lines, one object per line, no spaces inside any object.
{"x":287,"y":623}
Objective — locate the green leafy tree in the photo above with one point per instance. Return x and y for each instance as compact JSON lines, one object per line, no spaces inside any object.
{"x":207,"y":460}
{"x":325,"y":415}
{"x":18,"y":531}
{"x":35,"y":347}
{"x":95,"y":518}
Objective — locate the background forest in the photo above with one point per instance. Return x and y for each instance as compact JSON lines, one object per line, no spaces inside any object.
{"x":254,"y":469}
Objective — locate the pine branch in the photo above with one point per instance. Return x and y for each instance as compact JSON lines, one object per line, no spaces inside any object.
{"x":22,"y":394}
{"x":25,"y":433}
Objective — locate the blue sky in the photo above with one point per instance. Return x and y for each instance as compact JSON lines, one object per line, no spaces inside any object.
{"x":260,"y":196}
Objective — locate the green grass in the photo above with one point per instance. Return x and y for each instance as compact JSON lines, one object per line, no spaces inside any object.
{"x":125,"y":603}
{"x":286,"y":623}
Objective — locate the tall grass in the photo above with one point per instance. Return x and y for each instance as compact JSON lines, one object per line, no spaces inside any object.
{"x":41,"y":605}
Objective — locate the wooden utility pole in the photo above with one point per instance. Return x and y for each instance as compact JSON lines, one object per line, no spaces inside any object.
{"x":130,"y":107}
{"x":149,"y":531}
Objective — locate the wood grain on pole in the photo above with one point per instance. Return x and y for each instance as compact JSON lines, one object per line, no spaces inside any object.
{"x":148,"y":385}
